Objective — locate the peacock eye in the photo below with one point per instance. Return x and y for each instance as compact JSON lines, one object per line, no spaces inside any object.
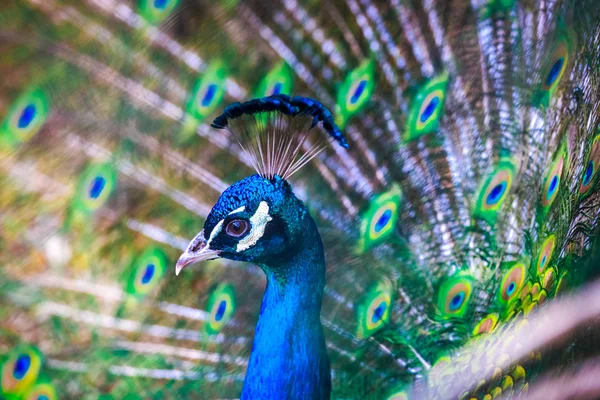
{"x":237,"y":228}
{"x":355,"y":92}
{"x":512,"y":283}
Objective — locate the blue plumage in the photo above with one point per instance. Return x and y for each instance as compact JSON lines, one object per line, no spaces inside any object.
{"x":289,"y":357}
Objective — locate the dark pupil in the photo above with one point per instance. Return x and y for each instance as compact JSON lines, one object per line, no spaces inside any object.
{"x":209,"y":95}
{"x":358,"y":92}
{"x":553,"y":184}
{"x":21,"y":366}
{"x":553,"y":74}
{"x":496,"y":193}
{"x":383,"y":220}
{"x":42,"y":397}
{"x":237,"y":227}
{"x":97,"y":186}
{"x":456,"y":301}
{"x":160,"y":4}
{"x":588,"y":173}
{"x":429,"y":109}
{"x":511,"y":288}
{"x":221,"y":310}
{"x":378,"y":312}
{"x":26,"y":116}
{"x":148,"y":273}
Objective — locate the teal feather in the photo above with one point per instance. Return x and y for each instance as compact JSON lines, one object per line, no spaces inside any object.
{"x":472,"y":166}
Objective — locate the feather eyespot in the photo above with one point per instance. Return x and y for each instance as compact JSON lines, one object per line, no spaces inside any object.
{"x":41,"y":391}
{"x":355,"y":92}
{"x":545,"y":254}
{"x":494,"y":191}
{"x":20,"y":370}
{"x":512,"y":283}
{"x":552,"y":182}
{"x":426,"y":108}
{"x":221,"y":307}
{"x":147,"y":271}
{"x":373,"y":310}
{"x":237,"y":228}
{"x":454,"y":296}
{"x":589,"y":174}
{"x":95,"y":186}
{"x":155,"y":11}
{"x":208,"y":92}
{"x":486,"y":325}
{"x":377,"y":311}
{"x":557,"y":64}
{"x":25,"y":117}
{"x":380,"y":218}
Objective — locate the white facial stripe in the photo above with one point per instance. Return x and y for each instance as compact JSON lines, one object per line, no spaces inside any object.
{"x":214,"y":233}
{"x":237,"y":210}
{"x":259,"y":222}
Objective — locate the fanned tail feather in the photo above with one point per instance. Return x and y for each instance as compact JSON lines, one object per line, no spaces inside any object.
{"x":467,"y":196}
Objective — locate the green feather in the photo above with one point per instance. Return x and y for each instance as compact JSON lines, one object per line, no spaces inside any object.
{"x":25,"y":117}
{"x":278,"y":80}
{"x":156,"y":11}
{"x":355,"y":92}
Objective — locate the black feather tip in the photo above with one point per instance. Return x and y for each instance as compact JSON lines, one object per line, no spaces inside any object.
{"x":287,"y":105}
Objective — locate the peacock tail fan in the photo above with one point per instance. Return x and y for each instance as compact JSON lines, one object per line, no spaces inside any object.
{"x":462,"y":202}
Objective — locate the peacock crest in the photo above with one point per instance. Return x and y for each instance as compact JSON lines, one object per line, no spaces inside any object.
{"x":273,"y":132}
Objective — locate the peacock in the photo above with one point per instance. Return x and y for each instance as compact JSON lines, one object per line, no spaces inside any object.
{"x":299,"y":200}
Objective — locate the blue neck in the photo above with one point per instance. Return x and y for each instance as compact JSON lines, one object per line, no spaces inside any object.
{"x":289,"y":358}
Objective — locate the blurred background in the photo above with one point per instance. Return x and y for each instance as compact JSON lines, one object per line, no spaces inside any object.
{"x":108,"y":168}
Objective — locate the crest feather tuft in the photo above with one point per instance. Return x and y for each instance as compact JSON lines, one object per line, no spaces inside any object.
{"x":276,"y":132}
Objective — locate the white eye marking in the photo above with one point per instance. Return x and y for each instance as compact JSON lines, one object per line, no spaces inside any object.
{"x":214,"y":233}
{"x":259,"y":222}
{"x":237,"y":210}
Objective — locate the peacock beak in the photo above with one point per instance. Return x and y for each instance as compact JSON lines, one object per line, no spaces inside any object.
{"x":197,"y":250}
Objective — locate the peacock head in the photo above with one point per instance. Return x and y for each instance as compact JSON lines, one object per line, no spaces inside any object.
{"x":259,"y":219}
